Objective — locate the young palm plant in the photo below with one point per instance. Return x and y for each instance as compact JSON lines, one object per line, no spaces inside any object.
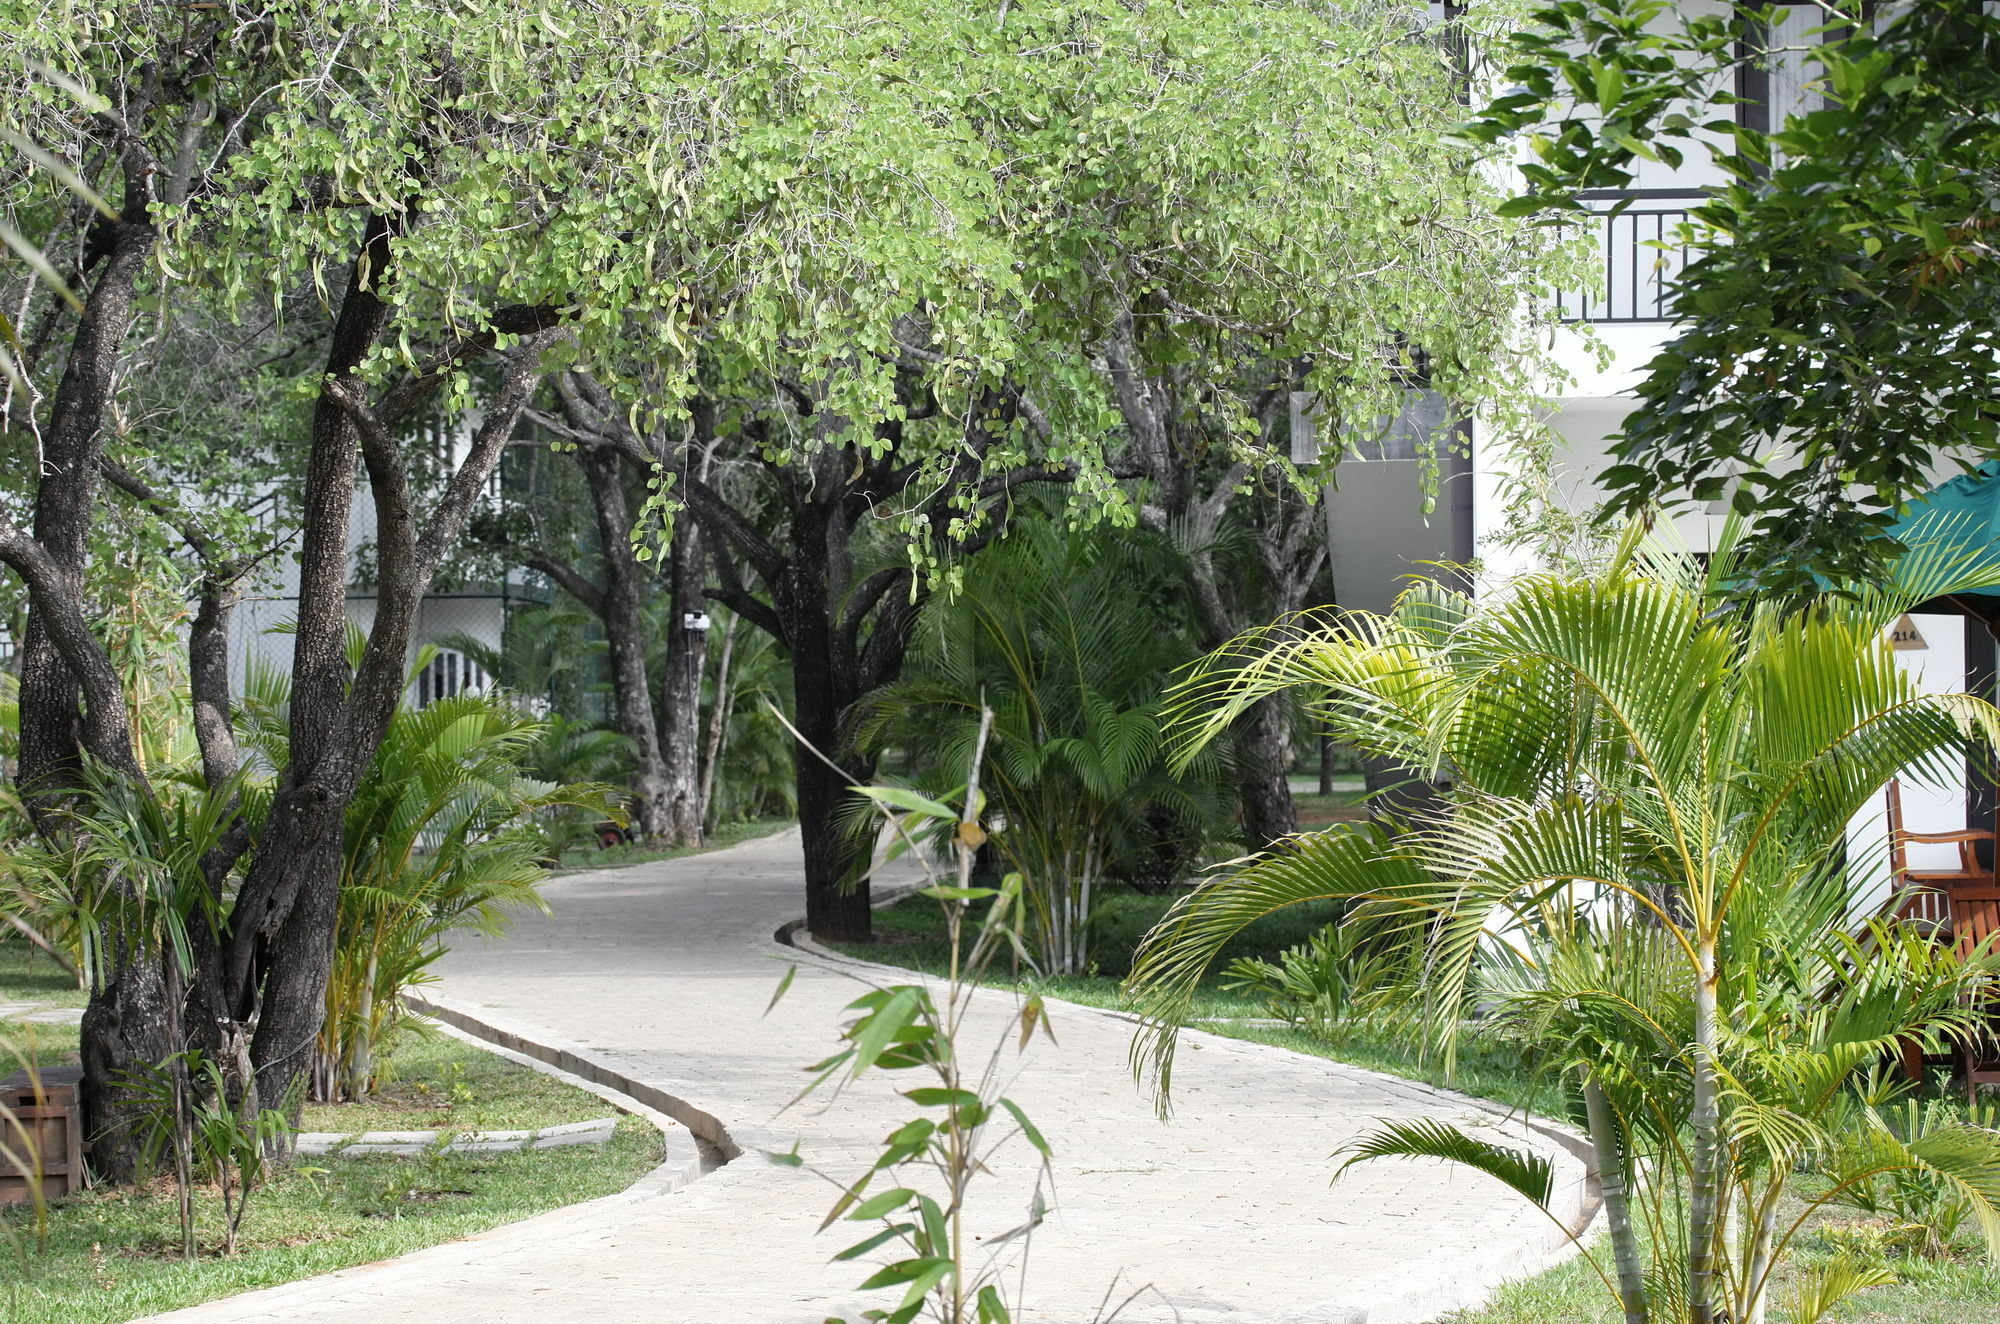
{"x":442,"y":834}
{"x":1641,"y":865}
{"x":1058,"y":635}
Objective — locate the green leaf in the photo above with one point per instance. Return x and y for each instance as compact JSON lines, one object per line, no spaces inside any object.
{"x":922,"y":1272}
{"x":880,"y":1203}
{"x":791,"y":973}
{"x":938,"y":1097}
{"x":910,"y":801}
{"x":889,"y":1233}
{"x":1525,"y":1171}
{"x":881,"y":1027}
{"x":1027,"y":1127}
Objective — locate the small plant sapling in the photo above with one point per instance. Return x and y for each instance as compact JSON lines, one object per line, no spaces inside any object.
{"x":964,"y":1118}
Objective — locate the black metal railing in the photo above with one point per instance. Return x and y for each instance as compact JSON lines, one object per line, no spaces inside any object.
{"x":1639,"y":257}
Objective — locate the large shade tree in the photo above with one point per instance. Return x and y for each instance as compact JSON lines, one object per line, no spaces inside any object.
{"x":1250,"y":202}
{"x":460,"y":188}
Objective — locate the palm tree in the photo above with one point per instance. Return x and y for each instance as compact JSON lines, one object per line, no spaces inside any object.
{"x":1061,"y":635}
{"x":1641,"y":864}
{"x":442,"y":834}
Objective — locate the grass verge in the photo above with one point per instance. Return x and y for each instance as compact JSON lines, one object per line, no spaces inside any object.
{"x":583,"y":859}
{"x":114,"y":1255}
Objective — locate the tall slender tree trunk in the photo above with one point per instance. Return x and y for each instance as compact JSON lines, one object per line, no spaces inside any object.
{"x":1609,"y":1156}
{"x":679,"y":714}
{"x":280,"y":952}
{"x":621,"y":609}
{"x":1706,"y":1187}
{"x":718,"y":721}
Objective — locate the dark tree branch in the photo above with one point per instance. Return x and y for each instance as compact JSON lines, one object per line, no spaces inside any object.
{"x":733,"y":595}
{"x":870,"y":592}
{"x":713,"y":510}
{"x":566,"y":576}
{"x":107,"y":726}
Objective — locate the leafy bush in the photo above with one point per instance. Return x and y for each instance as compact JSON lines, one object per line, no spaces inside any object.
{"x":1342,"y":973}
{"x":444,"y":832}
{"x":1067,"y":639}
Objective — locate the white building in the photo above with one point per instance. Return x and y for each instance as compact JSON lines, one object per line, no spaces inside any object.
{"x":1378,"y":541}
{"x":260,"y":635}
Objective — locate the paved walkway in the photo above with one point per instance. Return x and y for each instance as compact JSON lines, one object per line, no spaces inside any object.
{"x":662,"y":972}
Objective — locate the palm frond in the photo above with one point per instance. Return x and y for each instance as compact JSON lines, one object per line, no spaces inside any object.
{"x":1529,"y":1174}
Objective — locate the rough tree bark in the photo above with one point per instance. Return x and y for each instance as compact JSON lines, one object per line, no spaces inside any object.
{"x":281,"y":933}
{"x":685,"y":654}
{"x":126,"y":1019}
{"x":818,"y":617}
{"x":661,"y":723}
{"x":847,"y":635}
{"x":620,"y":606}
{"x":1190,"y":500}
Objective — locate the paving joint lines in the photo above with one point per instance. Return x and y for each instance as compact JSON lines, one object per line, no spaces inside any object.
{"x":659,"y":977}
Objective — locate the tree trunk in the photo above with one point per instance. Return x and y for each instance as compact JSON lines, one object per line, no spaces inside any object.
{"x":679,"y":713}
{"x":1707,"y":1184}
{"x":837,"y":906}
{"x":718,"y":721}
{"x":621,"y":609}
{"x":1612,"y":1184}
{"x":127,"y":1022}
{"x":64,"y":497}
{"x":280,"y":949}
{"x":1264,"y":752}
{"x":127,"y":1025}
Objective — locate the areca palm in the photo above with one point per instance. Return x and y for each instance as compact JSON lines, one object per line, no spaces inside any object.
{"x":1061,"y":636}
{"x":441,"y":834}
{"x":1643,"y":858}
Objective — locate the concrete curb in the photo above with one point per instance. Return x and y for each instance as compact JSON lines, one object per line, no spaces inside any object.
{"x":713,"y":1144}
{"x":1468,"y":1282}
{"x":685,"y":1162}
{"x":341,"y":1144}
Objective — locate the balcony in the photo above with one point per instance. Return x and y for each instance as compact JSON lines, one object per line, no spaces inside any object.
{"x":1639,"y":256}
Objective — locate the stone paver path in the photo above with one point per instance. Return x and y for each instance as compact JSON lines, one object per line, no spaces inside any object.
{"x":662,"y":973}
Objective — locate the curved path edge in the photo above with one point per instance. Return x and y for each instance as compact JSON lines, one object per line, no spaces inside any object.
{"x":685,"y":1161}
{"x":1575,"y":1207}
{"x":619,"y":1259}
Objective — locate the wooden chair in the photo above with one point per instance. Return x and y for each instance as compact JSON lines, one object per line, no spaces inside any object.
{"x":1960,"y":906}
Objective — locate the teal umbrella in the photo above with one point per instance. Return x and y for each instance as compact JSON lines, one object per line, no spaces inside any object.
{"x":1964,"y":511}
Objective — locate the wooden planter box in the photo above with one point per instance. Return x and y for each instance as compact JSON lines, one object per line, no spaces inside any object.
{"x":45,"y":1130}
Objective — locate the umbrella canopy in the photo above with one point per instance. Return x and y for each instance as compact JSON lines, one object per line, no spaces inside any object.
{"x":1964,"y":511}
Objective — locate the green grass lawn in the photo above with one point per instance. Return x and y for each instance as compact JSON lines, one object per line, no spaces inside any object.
{"x":114,"y":1255}
{"x":1958,"y":1290}
{"x":437,"y":1083}
{"x":30,"y":976}
{"x":580,"y":859}
{"x":911,"y":934}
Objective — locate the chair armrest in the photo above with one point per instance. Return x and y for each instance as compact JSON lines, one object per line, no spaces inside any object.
{"x":1945,"y":838}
